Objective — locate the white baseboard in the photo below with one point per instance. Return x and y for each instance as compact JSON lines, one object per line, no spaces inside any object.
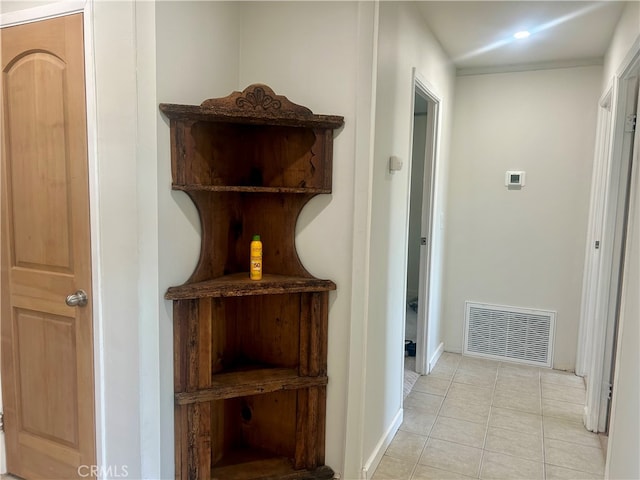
{"x":436,"y":356}
{"x":371,"y":465}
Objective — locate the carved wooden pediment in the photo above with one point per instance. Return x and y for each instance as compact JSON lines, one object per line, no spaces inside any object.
{"x":257,"y":98}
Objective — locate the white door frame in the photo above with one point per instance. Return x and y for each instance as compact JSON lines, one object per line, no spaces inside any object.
{"x":599,"y":315}
{"x":602,"y":159}
{"x":44,"y":12}
{"x":425,"y":359}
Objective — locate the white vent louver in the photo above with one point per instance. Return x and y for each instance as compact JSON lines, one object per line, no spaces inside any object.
{"x":513,"y":334}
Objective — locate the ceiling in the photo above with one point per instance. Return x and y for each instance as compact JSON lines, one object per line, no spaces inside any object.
{"x":479,"y":34}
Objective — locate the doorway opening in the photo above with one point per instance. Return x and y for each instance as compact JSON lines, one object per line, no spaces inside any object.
{"x":606,"y":254}
{"x":420,"y":228}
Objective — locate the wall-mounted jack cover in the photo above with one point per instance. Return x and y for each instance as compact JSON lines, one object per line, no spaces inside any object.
{"x":514,"y":178}
{"x":395,"y":164}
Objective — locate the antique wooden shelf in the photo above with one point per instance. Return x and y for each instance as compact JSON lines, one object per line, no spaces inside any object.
{"x":239,"y":284}
{"x":250,"y":382}
{"x":247,"y":189}
{"x":250,"y":357}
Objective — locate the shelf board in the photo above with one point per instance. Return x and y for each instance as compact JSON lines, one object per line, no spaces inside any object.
{"x":239,"y":284}
{"x":249,"y":117}
{"x":248,"y":465}
{"x":249,"y":382}
{"x":247,"y":189}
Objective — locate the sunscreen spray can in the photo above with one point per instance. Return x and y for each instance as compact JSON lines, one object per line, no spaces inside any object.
{"x":255,"y":268}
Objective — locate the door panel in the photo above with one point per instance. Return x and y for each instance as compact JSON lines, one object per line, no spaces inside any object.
{"x":46,"y":369}
{"x":34,"y":154}
{"x":47,"y":346}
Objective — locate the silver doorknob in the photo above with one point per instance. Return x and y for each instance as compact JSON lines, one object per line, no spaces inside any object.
{"x":78,"y":299}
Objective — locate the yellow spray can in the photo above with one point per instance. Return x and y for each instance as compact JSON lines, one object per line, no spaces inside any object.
{"x":255,"y":268}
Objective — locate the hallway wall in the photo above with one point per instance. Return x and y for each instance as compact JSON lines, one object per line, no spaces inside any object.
{"x":624,"y":430}
{"x":524,"y":247}
{"x":197,"y":57}
{"x":404,"y":42}
{"x":309,"y":51}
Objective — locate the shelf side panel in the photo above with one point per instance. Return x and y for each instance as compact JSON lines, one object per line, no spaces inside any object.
{"x":229,"y":221}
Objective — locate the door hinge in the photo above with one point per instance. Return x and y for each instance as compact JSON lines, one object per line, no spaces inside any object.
{"x":1,"y":421}
{"x":597,"y":244}
{"x":630,"y":122}
{"x":609,"y":391}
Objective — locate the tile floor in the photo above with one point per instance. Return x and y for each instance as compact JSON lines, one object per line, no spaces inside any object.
{"x":475,"y":418}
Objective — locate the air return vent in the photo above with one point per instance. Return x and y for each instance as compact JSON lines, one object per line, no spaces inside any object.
{"x":511,"y":334}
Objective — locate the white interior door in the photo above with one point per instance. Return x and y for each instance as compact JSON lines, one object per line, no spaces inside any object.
{"x":425,"y":358}
{"x":630,"y":150}
{"x":600,"y":315}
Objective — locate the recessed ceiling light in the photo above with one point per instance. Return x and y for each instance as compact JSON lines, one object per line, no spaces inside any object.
{"x":521,"y":34}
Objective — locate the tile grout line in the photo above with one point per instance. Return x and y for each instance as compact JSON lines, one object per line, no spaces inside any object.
{"x":486,"y":432}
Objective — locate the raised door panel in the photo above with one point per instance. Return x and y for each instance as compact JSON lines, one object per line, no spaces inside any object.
{"x":47,"y":376}
{"x":37,"y":160}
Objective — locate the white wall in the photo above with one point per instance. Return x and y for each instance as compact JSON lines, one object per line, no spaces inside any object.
{"x":626,"y":33}
{"x":7,"y":6}
{"x":308,"y":52}
{"x":624,"y":439}
{"x":197,"y":55}
{"x":404,"y":42}
{"x":116,"y":227}
{"x":521,"y":247}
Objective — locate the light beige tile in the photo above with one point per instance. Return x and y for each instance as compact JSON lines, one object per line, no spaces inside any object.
{"x":470,"y":393}
{"x":452,"y":457}
{"x":554,"y":472}
{"x":517,"y":401}
{"x":391,"y":468}
{"x":564,"y":410}
{"x":573,"y":432}
{"x":471,"y":412}
{"x":459,"y":431}
{"x":478,"y":362}
{"x":518,"y":444}
{"x":480,"y":378}
{"x":432,"y":385}
{"x":499,"y":466}
{"x":516,"y":420}
{"x":443,"y":371}
{"x":527,"y":385}
{"x":512,"y":370}
{"x":425,"y":402}
{"x":574,"y":456}
{"x":477,"y":368}
{"x":449,"y":358}
{"x":561,"y":378}
{"x":406,"y":446}
{"x":417,"y":422}
{"x":563,"y":393}
{"x":425,"y":472}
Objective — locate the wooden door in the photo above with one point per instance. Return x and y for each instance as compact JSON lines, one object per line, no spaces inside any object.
{"x":47,"y":346}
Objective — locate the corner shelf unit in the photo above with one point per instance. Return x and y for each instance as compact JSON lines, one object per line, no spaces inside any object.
{"x":250,"y":357}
